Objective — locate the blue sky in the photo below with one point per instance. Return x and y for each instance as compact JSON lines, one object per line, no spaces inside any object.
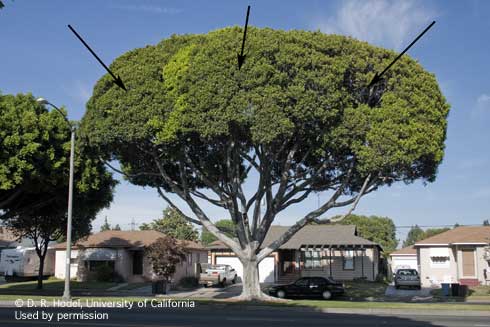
{"x":40,"y":55}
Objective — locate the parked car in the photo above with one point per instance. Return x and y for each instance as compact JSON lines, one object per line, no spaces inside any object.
{"x":309,"y":287}
{"x":218,"y":275}
{"x":407,"y":277}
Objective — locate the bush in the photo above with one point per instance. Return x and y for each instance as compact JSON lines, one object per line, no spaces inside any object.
{"x":188,"y":282}
{"x":104,"y":274}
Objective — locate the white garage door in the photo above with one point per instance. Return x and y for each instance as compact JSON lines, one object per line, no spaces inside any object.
{"x":266,"y":267}
{"x":404,"y":262}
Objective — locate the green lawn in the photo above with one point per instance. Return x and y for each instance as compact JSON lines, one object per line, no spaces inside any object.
{"x":362,"y":290}
{"x":298,"y":303}
{"x":52,"y":284}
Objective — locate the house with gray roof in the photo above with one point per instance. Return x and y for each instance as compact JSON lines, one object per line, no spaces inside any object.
{"x":334,"y":251}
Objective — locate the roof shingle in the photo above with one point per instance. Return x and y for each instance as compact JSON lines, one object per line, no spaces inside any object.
{"x":462,"y":234}
{"x":124,"y":239}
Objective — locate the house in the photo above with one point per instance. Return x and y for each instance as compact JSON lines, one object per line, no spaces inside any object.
{"x":316,"y":250}
{"x":460,"y":255}
{"x":125,"y":253}
{"x":405,"y":258}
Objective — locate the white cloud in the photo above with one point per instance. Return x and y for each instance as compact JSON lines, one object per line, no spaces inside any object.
{"x":383,"y":22}
{"x":482,"y":106}
{"x":79,"y":91}
{"x":149,"y":9}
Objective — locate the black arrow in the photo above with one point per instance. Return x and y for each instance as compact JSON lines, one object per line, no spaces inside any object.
{"x":117,"y":79}
{"x":377,"y":77}
{"x":241,"y":56}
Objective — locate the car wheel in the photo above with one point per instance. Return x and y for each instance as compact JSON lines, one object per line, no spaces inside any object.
{"x":223,"y":283}
{"x":205,"y":285}
{"x":327,"y":295}
{"x":397,"y":286}
{"x":234,"y":280}
{"x":281,"y":294}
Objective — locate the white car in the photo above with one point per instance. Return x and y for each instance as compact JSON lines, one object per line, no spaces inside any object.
{"x":218,"y":275}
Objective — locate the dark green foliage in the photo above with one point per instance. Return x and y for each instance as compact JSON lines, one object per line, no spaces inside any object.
{"x":34,"y":169}
{"x":414,"y":234}
{"x":381,"y":230}
{"x":224,"y":225}
{"x":306,"y":87}
{"x":417,"y":234}
{"x":173,"y":224}
{"x":104,"y":273}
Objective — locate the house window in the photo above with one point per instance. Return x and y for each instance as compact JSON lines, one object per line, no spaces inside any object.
{"x":348,"y":260}
{"x":93,"y":265}
{"x":312,"y":259}
{"x":439,"y":262}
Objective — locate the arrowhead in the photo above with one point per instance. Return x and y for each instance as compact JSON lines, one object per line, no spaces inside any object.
{"x":375,"y":80}
{"x":120,"y":83}
{"x":241,"y":60}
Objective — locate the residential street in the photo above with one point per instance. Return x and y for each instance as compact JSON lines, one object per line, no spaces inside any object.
{"x":256,"y":316}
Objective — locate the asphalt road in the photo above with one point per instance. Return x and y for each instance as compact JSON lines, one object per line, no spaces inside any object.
{"x":232,"y":317}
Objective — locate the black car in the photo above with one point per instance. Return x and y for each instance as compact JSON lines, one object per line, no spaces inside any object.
{"x":309,"y":287}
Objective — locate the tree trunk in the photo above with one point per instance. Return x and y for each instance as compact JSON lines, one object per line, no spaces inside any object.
{"x":41,"y":272}
{"x":251,"y":283}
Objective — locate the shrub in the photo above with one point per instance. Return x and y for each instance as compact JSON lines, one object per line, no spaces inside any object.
{"x":104,"y":274}
{"x":188,"y":282}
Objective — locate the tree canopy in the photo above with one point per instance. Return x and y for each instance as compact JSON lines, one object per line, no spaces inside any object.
{"x":416,"y":234}
{"x":173,"y":224}
{"x":298,"y":114}
{"x":381,"y":230}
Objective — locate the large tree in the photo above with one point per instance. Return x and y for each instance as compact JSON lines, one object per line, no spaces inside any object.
{"x":173,"y":224}
{"x":297,"y":118}
{"x":381,"y":230}
{"x":34,"y":167}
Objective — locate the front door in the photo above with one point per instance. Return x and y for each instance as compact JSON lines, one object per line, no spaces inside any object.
{"x":137,"y":262}
{"x":468,"y":262}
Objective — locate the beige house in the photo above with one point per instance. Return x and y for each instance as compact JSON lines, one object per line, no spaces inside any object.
{"x":125,"y":253}
{"x":316,"y":250}
{"x":460,"y":255}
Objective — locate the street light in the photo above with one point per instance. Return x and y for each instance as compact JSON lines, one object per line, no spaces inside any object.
{"x":66,"y":293}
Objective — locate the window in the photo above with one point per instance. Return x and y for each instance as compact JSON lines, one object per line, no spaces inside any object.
{"x":303,"y":282}
{"x":348,"y":260}
{"x":439,"y":262}
{"x":312,"y":259}
{"x":93,"y":265}
{"x":317,"y":281}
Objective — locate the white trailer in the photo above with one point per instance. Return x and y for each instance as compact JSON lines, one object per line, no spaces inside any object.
{"x":23,"y":263}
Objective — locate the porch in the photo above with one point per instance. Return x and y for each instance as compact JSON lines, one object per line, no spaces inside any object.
{"x":339,"y":262}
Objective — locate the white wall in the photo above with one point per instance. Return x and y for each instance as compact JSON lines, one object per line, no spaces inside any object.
{"x":60,"y":260}
{"x":404,"y":261}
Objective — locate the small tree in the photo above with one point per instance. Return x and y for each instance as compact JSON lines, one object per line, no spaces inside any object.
{"x":164,"y":256}
{"x":34,"y":156}
{"x":486,"y":222}
{"x":106,"y":226}
{"x":414,"y":234}
{"x":173,"y":224}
